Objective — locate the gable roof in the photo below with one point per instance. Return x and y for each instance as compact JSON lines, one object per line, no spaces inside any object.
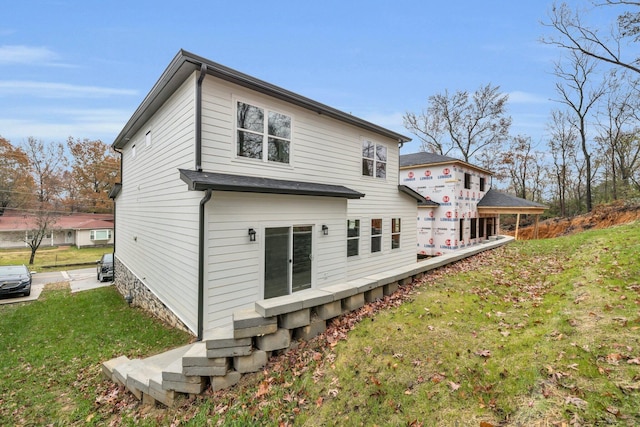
{"x":430,"y":159}
{"x":185,"y":63}
{"x":422,"y":201}
{"x":506,"y":203}
{"x":199,"y":181}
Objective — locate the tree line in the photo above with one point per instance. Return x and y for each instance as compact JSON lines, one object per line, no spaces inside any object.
{"x":592,"y":149}
{"x":46,"y":180}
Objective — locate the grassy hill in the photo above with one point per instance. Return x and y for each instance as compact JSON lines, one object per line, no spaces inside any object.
{"x":543,"y":332}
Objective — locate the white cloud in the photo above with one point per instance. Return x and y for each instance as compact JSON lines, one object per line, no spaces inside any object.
{"x":59,"y":90}
{"x":103,"y":124}
{"x":520,"y":97}
{"x":15,"y":54}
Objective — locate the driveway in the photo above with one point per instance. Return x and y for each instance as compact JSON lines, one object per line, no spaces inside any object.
{"x":79,"y":280}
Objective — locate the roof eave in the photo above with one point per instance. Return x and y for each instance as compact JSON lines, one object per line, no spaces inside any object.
{"x":184,"y":63}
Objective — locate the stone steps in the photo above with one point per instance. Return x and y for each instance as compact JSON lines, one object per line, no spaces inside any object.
{"x":226,"y":353}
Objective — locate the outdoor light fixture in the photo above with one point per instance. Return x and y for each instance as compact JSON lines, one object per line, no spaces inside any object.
{"x":252,"y":235}
{"x":129,"y":299}
{"x":325,"y":229}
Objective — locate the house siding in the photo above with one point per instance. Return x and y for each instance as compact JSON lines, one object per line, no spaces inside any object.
{"x":157,"y":218}
{"x":235,"y":265}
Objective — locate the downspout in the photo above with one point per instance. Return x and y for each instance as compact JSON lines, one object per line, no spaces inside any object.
{"x":205,"y":199}
{"x":201,"y":245}
{"x":203,"y":73}
{"x":113,"y":253}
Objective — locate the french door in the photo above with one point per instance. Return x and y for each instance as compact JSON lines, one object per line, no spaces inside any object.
{"x":287,"y":260}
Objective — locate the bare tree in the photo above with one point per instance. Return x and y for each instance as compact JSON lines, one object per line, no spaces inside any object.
{"x":562,"y":146}
{"x":573,"y":34}
{"x":577,"y":92}
{"x":16,"y":184}
{"x":462,"y":124}
{"x":46,"y":163}
{"x":619,"y":135}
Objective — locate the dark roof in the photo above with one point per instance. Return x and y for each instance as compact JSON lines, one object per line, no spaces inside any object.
{"x":422,"y":201}
{"x":250,"y":184}
{"x":497,"y":199}
{"x":185,"y":63}
{"x":424,"y":158}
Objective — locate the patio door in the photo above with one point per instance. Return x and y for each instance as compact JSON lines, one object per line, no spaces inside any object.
{"x":287,"y":260}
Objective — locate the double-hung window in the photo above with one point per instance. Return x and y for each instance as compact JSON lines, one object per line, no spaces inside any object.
{"x":395,"y":233}
{"x":353,"y":237}
{"x":376,"y":235}
{"x":262,"y":134}
{"x":374,"y":159}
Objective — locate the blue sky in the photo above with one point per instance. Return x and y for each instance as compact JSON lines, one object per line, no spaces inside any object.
{"x":80,"y":68}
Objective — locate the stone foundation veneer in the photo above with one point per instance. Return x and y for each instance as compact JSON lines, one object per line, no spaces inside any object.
{"x":128,"y":283}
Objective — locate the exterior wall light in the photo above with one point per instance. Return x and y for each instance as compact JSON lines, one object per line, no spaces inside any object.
{"x":325,"y":229}
{"x":252,"y":235}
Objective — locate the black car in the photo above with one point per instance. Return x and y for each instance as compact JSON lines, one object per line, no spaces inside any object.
{"x":105,"y":268}
{"x":15,"y":279}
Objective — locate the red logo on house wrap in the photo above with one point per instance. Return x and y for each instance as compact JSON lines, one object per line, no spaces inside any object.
{"x":427,"y":173}
{"x":446,"y":171}
{"x":460,"y":193}
{"x":447,"y":242}
{"x":449,"y":213}
{"x":445,"y":199}
{"x":431,"y":241}
{"x":431,"y":214}
{"x":410,"y":174}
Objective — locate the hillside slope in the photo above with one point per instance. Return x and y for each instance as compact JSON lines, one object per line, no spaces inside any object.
{"x":602,"y":216}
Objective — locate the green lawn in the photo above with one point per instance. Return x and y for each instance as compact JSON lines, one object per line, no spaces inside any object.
{"x":537,"y":333}
{"x":51,"y":351}
{"x":53,"y":258}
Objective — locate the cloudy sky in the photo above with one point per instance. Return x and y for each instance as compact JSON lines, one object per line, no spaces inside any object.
{"x":80,"y":68}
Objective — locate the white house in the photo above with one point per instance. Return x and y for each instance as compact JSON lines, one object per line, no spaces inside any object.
{"x":235,"y":190}
{"x":462,"y":209}
{"x":78,"y":229}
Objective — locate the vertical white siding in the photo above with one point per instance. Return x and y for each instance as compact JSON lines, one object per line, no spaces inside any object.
{"x":156,"y":217}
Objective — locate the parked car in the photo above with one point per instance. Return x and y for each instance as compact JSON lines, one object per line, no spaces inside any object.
{"x":15,"y":279}
{"x":105,"y":268}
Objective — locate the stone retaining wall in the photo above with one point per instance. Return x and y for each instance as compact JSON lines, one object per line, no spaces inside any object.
{"x":128,"y":284}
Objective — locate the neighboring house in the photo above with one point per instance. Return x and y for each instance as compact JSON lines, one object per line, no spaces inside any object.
{"x":81,"y":230}
{"x":462,"y":209}
{"x":235,"y":190}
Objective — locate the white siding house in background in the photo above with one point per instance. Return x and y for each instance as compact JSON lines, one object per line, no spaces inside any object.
{"x":235,"y":190}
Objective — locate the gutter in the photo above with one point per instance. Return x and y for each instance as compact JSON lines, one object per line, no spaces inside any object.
{"x":203,"y":202}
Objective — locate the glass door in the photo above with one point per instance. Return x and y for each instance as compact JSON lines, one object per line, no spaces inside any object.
{"x":302,"y":257}
{"x":287,"y":260}
{"x":276,"y":262}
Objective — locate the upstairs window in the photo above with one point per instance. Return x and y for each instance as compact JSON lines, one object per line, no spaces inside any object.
{"x":374,"y":159}
{"x":467,"y":181}
{"x":262,"y":134}
{"x":395,"y":233}
{"x":482,"y":184}
{"x":376,"y":235}
{"x":353,"y":237}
